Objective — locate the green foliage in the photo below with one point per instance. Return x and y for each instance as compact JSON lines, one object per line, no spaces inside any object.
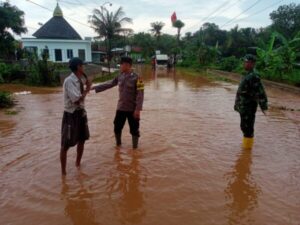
{"x":42,"y":72}
{"x":229,"y":63}
{"x":6,"y":100}
{"x":5,"y":71}
{"x":12,"y":19}
{"x":10,"y":72}
{"x":108,"y":24}
{"x":207,"y":54}
{"x":189,"y":63}
{"x":286,"y":19}
{"x":156,"y":28}
{"x":276,"y":60}
{"x":179,"y":25}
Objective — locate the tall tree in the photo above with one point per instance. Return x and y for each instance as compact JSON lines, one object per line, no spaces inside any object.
{"x":156,"y":29}
{"x":109,"y":24}
{"x":286,"y":20}
{"x":178,"y":24}
{"x":11,"y":19}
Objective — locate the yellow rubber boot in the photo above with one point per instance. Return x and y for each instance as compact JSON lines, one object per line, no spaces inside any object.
{"x":247,"y":143}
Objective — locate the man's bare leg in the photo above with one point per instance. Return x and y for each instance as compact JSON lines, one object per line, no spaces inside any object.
{"x":63,"y":160}
{"x":80,"y":148}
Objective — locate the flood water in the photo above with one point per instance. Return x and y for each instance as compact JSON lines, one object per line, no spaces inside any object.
{"x":190,"y":167}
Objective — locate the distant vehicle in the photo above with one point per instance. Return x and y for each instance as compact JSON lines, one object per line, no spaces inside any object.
{"x":161,"y":61}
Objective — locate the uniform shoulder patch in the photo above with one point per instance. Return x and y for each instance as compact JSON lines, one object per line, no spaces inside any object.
{"x":139,"y":83}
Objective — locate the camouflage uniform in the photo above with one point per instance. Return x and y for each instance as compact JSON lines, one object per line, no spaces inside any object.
{"x":131,"y":96}
{"x":250,"y":93}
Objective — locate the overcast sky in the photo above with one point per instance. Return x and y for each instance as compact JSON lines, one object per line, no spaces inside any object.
{"x":192,"y":12}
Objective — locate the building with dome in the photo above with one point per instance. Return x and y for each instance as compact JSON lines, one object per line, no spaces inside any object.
{"x":59,"y":40}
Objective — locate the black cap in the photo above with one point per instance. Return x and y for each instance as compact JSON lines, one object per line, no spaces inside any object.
{"x":126,"y":59}
{"x":74,"y":62}
{"x":249,"y":57}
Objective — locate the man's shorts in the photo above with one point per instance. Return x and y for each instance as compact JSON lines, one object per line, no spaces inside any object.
{"x":74,"y":128}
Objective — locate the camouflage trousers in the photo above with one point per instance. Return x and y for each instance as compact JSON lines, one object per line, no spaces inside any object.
{"x":247,"y":124}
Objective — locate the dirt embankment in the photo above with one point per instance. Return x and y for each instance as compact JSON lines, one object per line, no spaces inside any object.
{"x":270,"y":84}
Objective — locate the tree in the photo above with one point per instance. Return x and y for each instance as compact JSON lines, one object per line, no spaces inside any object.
{"x":12,"y":19}
{"x":145,"y":41}
{"x":178,"y":24}
{"x":278,"y":59}
{"x":156,"y":29}
{"x":109,"y":25}
{"x":211,"y":34}
{"x":286,"y":20}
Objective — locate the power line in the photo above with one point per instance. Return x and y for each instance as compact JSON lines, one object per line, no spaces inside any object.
{"x":258,"y":12}
{"x":250,"y":7}
{"x":216,"y":10}
{"x":83,"y":24}
{"x":220,"y":13}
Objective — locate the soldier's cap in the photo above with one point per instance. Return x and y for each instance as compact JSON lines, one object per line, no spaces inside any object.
{"x":126,"y":59}
{"x":74,"y":62}
{"x":249,"y":57}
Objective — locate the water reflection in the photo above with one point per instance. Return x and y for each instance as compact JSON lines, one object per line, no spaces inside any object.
{"x":78,"y":203}
{"x":164,"y":73}
{"x":124,"y":188}
{"x":242,"y":191}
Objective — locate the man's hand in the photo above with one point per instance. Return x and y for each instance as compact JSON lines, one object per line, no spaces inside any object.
{"x":137,"y":114}
{"x":88,"y":85}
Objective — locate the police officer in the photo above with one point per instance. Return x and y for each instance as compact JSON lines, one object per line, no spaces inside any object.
{"x":250,"y":93}
{"x":131,"y":97}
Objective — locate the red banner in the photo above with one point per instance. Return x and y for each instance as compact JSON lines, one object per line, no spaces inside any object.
{"x":173,"y":17}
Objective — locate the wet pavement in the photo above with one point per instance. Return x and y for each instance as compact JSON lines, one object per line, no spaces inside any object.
{"x":190,"y":167}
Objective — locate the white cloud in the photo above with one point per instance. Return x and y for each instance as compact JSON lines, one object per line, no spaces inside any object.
{"x":143,"y":12}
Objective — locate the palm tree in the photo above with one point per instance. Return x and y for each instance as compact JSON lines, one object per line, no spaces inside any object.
{"x":156,"y":29}
{"x":178,"y":24}
{"x":108,"y":24}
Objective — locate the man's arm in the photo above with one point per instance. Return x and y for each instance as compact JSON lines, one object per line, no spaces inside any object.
{"x":261,"y":96}
{"x":106,"y":85}
{"x":139,"y":97}
{"x":242,"y":89}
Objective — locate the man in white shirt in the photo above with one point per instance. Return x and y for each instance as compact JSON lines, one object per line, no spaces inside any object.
{"x":75,"y":130}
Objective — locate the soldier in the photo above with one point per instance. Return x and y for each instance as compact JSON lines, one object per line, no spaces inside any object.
{"x":131,"y":96}
{"x":250,"y":93}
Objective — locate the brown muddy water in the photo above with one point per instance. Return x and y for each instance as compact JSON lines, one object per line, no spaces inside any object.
{"x":190,"y":167}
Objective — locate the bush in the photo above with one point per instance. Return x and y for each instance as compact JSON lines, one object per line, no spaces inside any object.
{"x":1,"y":79}
{"x":5,"y":72}
{"x":17,"y":73}
{"x":6,"y":100}
{"x":42,"y":72}
{"x":229,"y":63}
{"x":188,"y":63}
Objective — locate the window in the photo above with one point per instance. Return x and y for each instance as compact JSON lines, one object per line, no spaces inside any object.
{"x":58,"y":55}
{"x":81,"y":54}
{"x":69,"y":53}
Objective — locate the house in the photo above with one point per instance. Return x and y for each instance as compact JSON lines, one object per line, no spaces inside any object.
{"x":59,"y":40}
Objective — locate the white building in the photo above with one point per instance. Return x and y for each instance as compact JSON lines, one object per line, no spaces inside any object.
{"x":59,"y":39}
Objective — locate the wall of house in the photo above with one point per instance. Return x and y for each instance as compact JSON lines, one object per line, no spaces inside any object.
{"x":64,"y":45}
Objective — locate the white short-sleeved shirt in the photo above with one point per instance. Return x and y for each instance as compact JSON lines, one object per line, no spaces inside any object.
{"x":72,"y":93}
